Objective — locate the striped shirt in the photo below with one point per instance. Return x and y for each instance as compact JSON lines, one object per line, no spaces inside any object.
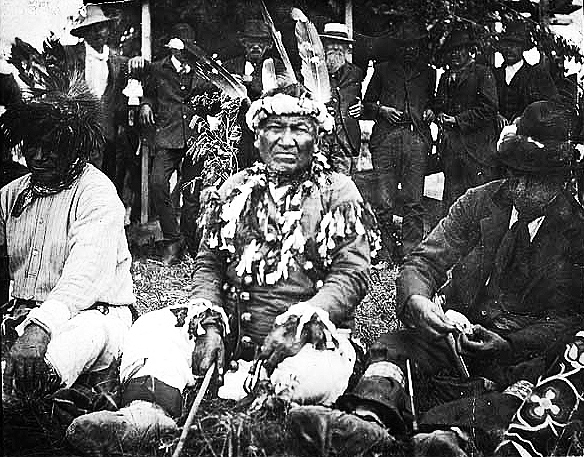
{"x":67,"y":251}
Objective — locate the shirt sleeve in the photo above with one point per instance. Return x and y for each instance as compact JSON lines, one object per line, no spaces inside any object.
{"x":90,"y":267}
{"x":347,"y":278}
{"x":426,"y":268}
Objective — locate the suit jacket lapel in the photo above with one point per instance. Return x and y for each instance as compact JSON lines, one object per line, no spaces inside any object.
{"x":493,"y":228}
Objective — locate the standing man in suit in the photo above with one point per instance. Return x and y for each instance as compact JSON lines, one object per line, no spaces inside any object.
{"x":345,"y":80}
{"x":519,"y":83}
{"x":105,"y":72}
{"x":399,"y":98}
{"x":466,"y":108}
{"x":171,"y":84}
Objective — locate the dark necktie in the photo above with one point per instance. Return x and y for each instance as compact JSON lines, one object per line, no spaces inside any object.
{"x":512,"y":270}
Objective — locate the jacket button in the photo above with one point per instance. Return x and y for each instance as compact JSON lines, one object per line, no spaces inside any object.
{"x":246,"y":317}
{"x":483,"y":313}
{"x":244,"y":296}
{"x":246,"y":339}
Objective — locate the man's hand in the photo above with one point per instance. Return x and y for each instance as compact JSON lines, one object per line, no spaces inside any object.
{"x":280,"y":344}
{"x":356,"y":110}
{"x":208,"y":349}
{"x":428,"y":116}
{"x":427,"y":317}
{"x":482,"y":342}
{"x":26,"y":362}
{"x":146,"y":115}
{"x":501,"y":122}
{"x":136,"y":65}
{"x":390,"y":114}
{"x":446,"y":121}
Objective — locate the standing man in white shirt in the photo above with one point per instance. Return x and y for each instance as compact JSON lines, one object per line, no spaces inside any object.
{"x":106,"y":73}
{"x":63,"y":247}
{"x":518,"y":82}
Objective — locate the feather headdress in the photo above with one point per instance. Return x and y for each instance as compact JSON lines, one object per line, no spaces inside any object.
{"x":58,"y":107}
{"x":286,"y":76}
{"x":311,"y":50}
{"x":58,"y":114}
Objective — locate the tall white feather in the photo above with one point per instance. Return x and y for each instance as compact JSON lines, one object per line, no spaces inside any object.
{"x":289,"y":77}
{"x":311,"y":50}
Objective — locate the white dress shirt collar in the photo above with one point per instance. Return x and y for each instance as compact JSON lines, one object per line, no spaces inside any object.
{"x":511,"y":71}
{"x":532,"y":226}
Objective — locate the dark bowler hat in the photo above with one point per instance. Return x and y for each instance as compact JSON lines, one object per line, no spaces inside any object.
{"x":383,"y":395}
{"x":91,"y":15}
{"x":516,"y":33}
{"x":182,"y":31}
{"x":540,"y":146}
{"x":336,"y":31}
{"x":457,"y":38}
{"x":254,"y":28}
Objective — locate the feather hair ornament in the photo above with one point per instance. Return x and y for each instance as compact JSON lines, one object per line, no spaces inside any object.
{"x":287,"y":76}
{"x":311,"y":50}
{"x":213,"y":72}
{"x":269,"y":77}
{"x":58,"y":113}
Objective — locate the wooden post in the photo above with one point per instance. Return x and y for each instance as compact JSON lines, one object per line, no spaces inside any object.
{"x":349,"y":21}
{"x":147,"y":54}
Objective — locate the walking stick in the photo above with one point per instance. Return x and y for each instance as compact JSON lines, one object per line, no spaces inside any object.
{"x":200,"y":394}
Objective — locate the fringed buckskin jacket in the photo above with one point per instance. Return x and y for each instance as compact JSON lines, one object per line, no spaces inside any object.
{"x":261,"y":254}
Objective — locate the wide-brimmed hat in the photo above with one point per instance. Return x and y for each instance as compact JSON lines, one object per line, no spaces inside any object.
{"x":91,"y":14}
{"x":385,"y":395}
{"x":516,"y":33}
{"x":457,"y":38}
{"x":336,"y":31}
{"x":254,"y":28}
{"x":409,"y":32}
{"x":540,"y":145}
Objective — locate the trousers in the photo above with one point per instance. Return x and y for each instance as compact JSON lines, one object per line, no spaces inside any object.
{"x":399,"y":155}
{"x":166,"y":161}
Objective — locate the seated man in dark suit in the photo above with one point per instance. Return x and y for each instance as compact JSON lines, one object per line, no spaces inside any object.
{"x":515,"y":250}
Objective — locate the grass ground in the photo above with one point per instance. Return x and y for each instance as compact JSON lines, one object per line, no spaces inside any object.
{"x":219,"y":430}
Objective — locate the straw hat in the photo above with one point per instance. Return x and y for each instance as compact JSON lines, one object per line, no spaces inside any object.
{"x":336,"y":31}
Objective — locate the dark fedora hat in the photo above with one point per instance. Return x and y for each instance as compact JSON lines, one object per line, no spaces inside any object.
{"x":254,"y":28}
{"x":336,"y":31}
{"x":383,"y":395}
{"x":516,"y":33}
{"x":90,"y":15}
{"x":541,"y":144}
{"x":409,"y":32}
{"x":457,"y":38}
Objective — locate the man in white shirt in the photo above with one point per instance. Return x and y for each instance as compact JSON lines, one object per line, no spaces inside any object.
{"x":63,"y":247}
{"x":518,"y":82}
{"x":106,"y":73}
